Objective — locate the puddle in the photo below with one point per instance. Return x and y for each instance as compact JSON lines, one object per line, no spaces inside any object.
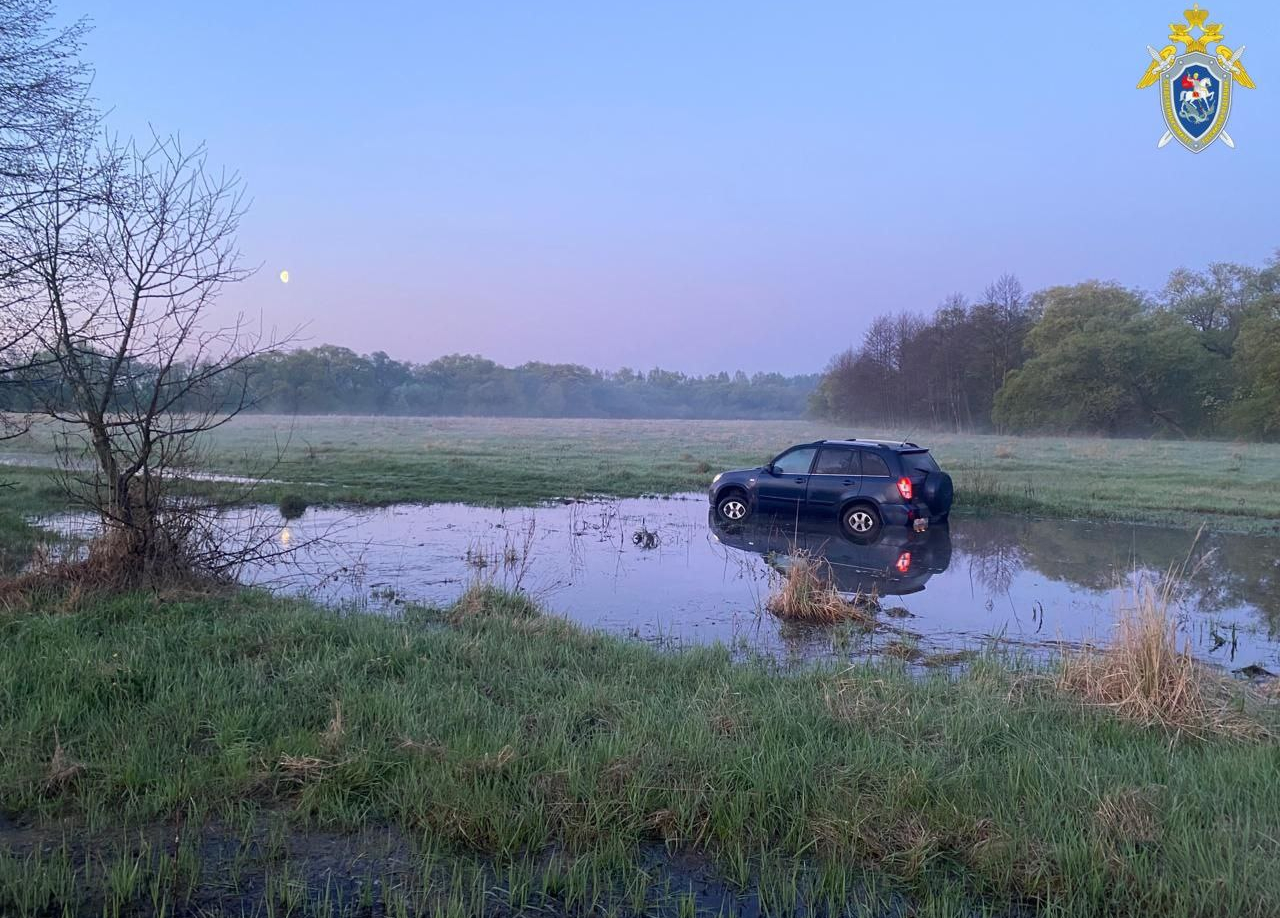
{"x":45,"y":461}
{"x":662,"y":570}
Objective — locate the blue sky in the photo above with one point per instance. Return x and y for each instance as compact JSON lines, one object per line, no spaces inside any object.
{"x":699,"y":186}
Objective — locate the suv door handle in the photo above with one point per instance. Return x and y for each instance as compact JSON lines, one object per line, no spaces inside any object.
{"x":800,"y":480}
{"x":850,"y":481}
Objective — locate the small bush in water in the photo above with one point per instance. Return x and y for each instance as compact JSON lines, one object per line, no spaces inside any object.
{"x":293,"y":506}
{"x":805,"y":593}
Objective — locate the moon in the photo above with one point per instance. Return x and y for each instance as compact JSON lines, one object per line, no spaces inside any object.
{"x":284,"y":277}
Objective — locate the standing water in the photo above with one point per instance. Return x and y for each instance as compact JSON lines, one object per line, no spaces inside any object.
{"x":663,"y":570}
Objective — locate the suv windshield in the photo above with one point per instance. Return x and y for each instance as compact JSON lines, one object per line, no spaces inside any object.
{"x":920,"y":462}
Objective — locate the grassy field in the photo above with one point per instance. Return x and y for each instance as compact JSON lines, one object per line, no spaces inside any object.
{"x":213,"y":754}
{"x":1227,"y":486}
{"x":230,"y":753}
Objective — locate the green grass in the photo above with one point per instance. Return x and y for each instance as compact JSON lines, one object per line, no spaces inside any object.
{"x":532,"y":763}
{"x":367,"y":460}
{"x":162,"y":756}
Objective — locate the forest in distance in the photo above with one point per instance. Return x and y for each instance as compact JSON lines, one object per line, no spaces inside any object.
{"x":1199,"y":358}
{"x":328,"y":379}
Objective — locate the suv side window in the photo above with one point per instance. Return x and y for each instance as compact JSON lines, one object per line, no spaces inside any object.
{"x":835,"y":461}
{"x":796,"y":462}
{"x":874,"y":465}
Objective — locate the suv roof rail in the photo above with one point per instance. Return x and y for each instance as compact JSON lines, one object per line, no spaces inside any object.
{"x":886,"y":444}
{"x":907,"y":444}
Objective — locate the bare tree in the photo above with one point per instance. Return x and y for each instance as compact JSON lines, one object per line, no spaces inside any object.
{"x":42,"y":81}
{"x":125,"y":268}
{"x":42,"y":104}
{"x":1003,"y":322}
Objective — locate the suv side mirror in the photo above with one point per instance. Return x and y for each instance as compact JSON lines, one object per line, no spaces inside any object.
{"x":771,"y":469}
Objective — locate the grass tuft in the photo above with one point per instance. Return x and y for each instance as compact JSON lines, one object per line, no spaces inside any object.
{"x":1130,"y":816}
{"x":63,"y":771}
{"x":483,"y":599}
{"x":333,"y":735}
{"x":303,"y":769}
{"x":805,"y":593}
{"x":1143,"y":676}
{"x":426,"y":746}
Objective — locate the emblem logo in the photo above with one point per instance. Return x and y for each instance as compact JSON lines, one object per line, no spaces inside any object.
{"x":1195,"y":86}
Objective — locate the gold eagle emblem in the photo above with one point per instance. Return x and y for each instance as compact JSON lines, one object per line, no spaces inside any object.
{"x":1196,"y":81}
{"x":1180,"y":33}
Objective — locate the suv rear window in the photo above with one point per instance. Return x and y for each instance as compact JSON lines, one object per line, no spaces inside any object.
{"x":873,"y":465}
{"x":919,"y":462}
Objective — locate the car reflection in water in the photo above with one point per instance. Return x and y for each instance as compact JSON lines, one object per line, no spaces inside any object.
{"x":897,"y":563}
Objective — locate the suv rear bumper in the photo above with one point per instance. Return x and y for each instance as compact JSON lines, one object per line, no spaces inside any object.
{"x":907,"y":514}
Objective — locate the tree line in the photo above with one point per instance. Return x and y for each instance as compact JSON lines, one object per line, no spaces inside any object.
{"x":336,"y":380}
{"x":1200,"y":357}
{"x":330,"y":379}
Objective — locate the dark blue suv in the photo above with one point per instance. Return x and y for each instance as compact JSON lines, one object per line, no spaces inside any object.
{"x":865,"y":485}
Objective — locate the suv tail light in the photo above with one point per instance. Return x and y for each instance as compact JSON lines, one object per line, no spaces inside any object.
{"x":904,"y":488}
{"x":904,"y":562}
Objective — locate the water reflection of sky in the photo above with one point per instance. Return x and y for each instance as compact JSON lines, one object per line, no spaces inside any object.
{"x":659,"y":569}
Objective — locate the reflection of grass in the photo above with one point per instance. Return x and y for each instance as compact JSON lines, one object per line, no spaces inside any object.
{"x":538,"y":763}
{"x":519,"y":461}
{"x":909,"y":651}
{"x":902,"y":650}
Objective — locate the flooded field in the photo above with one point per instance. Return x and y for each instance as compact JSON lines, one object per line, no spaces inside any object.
{"x":660,"y":569}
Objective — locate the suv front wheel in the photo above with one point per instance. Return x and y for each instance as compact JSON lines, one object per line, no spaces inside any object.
{"x":861,"y":522}
{"x":733,"y":507}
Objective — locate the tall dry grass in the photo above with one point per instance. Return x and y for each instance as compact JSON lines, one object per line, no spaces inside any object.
{"x":805,"y":593}
{"x":1142,"y":675}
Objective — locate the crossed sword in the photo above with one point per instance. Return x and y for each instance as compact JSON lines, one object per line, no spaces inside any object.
{"x":1165,"y":65}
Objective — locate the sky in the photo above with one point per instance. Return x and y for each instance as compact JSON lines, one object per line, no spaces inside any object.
{"x":697,"y":186}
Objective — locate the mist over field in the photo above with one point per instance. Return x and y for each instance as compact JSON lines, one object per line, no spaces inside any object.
{"x":1198,"y":358}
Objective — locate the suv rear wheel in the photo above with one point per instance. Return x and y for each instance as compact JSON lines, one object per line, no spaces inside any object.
{"x":861,"y":522}
{"x":733,"y":507}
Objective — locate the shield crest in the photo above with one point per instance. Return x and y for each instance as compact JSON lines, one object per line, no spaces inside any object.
{"x":1196,"y":99}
